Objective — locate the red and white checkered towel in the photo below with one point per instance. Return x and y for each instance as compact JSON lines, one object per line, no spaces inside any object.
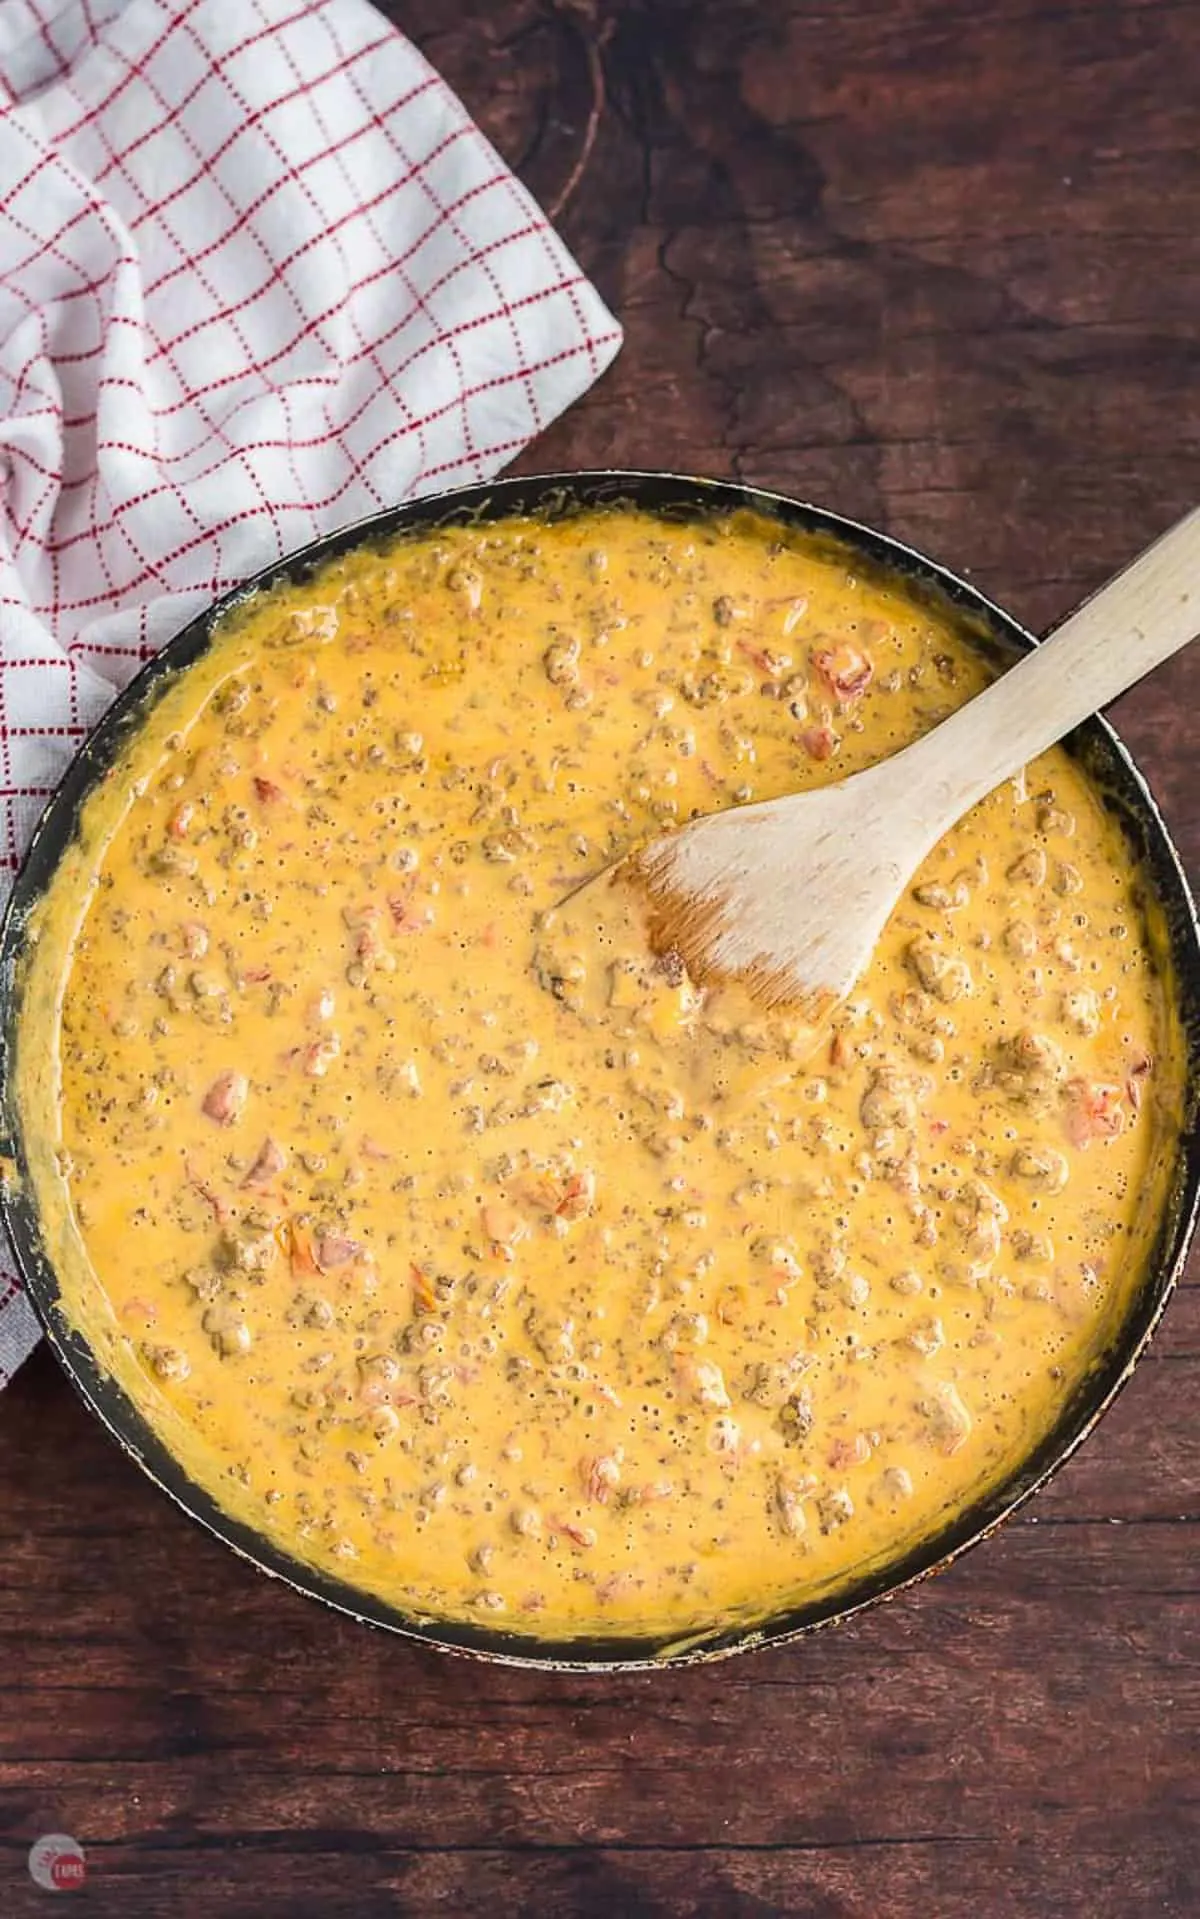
{"x":259,"y":274}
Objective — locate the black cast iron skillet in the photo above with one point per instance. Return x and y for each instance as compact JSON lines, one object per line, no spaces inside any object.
{"x":1095,"y":744}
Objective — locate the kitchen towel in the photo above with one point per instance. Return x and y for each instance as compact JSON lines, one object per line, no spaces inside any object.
{"x":260,"y":274}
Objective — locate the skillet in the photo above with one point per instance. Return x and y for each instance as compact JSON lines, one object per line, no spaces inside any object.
{"x":1174,"y":926}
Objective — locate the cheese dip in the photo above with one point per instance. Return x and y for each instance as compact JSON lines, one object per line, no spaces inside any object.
{"x":514,"y":1281}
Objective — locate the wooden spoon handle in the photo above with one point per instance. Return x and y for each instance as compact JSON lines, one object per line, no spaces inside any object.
{"x":1133,"y":624}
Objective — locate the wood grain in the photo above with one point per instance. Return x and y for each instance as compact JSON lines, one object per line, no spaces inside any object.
{"x":937,"y":267}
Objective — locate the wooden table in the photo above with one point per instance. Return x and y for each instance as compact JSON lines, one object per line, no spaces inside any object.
{"x":935,"y":265}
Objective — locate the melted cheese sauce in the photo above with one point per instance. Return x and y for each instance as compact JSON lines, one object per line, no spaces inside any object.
{"x":513,"y":1280}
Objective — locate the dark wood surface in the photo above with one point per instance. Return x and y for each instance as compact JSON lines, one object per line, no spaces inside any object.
{"x":936,"y":265}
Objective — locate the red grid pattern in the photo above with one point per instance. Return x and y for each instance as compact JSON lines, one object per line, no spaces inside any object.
{"x":259,"y":274}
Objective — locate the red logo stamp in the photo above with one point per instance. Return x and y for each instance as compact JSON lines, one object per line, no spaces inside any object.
{"x":56,"y":1863}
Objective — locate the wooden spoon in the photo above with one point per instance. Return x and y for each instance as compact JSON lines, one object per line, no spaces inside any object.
{"x":789,"y":896}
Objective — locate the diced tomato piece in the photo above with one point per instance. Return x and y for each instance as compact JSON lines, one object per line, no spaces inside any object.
{"x":336,"y":1249}
{"x":226,"y":1098}
{"x":269,"y":1164}
{"x":140,"y":1309}
{"x":845,"y":669}
{"x":317,"y":1057}
{"x":1096,"y":1109}
{"x":503,"y":1224}
{"x":408,"y":918}
{"x":774,"y":665}
{"x":578,"y":1535}
{"x":602,"y":1476}
{"x":818,"y":742}
{"x":579,"y":1195}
